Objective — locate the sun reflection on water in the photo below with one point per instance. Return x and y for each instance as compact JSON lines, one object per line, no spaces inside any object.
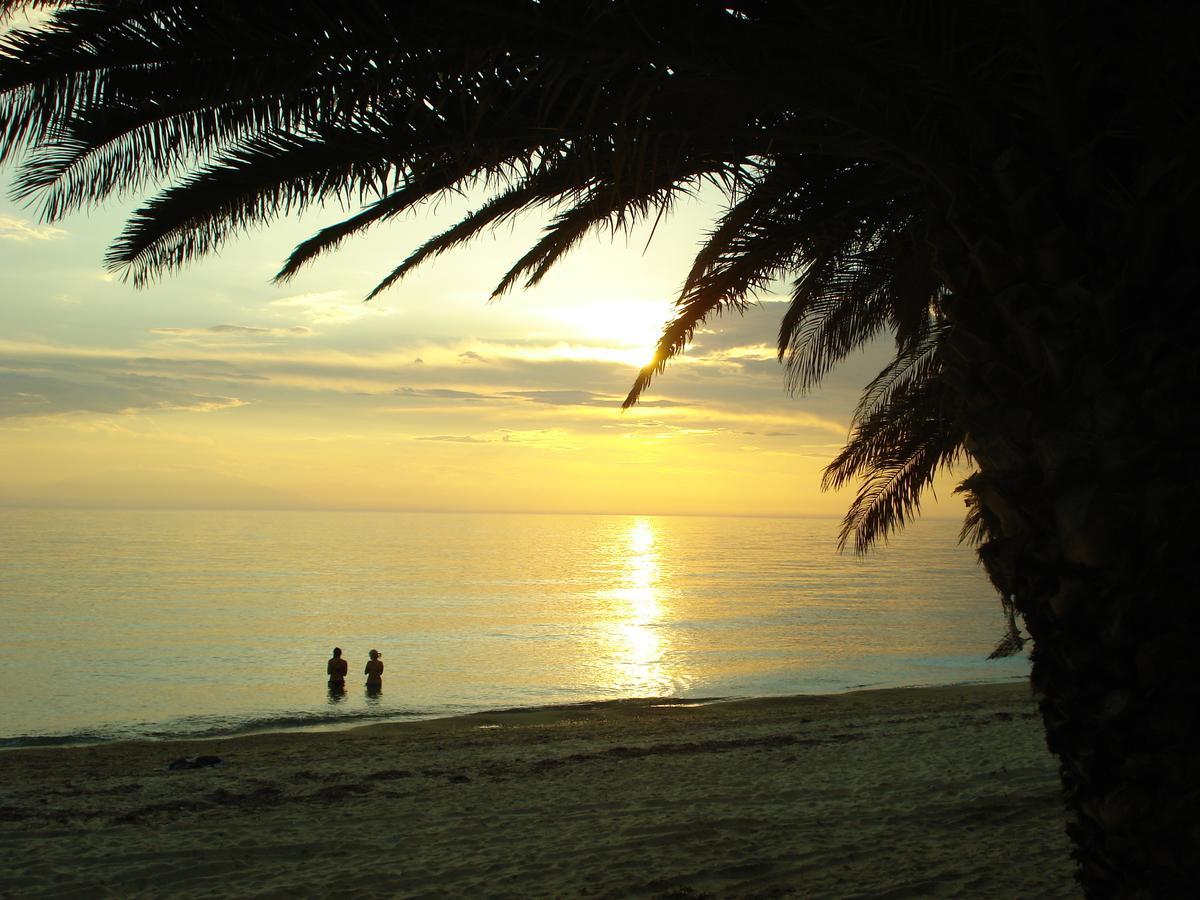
{"x":638,"y":644}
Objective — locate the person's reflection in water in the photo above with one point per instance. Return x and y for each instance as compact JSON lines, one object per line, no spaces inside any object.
{"x":337,"y":692}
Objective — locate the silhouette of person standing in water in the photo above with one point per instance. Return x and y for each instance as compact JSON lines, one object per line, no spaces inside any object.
{"x":337,"y":669}
{"x":374,"y":672}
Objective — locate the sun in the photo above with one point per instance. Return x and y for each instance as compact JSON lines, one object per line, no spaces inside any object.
{"x":627,"y":329}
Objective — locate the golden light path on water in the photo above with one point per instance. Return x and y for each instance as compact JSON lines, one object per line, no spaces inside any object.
{"x":638,"y":645}
{"x":471,"y":611}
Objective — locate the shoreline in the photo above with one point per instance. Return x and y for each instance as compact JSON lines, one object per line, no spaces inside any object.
{"x":349,"y":722}
{"x":937,"y":791}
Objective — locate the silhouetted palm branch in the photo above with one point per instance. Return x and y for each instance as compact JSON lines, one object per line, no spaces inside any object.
{"x":903,"y":433}
{"x":982,"y":530}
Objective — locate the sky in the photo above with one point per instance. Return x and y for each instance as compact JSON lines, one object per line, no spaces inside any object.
{"x":215,"y":388}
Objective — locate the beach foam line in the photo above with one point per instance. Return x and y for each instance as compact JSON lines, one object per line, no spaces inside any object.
{"x":214,"y":727}
{"x":202,"y":728}
{"x":208,"y":727}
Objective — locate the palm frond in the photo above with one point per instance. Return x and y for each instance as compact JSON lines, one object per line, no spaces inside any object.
{"x":980,"y":525}
{"x":262,"y":179}
{"x":770,"y":229}
{"x":11,"y":8}
{"x":859,"y":286}
{"x":604,"y":206}
{"x":414,"y":191}
{"x":982,"y":530}
{"x":903,"y":433}
{"x":493,"y":211}
{"x":916,"y":362}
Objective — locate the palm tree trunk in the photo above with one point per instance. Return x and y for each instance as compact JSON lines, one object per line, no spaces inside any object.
{"x":1078,"y":414}
{"x":1110,"y":601}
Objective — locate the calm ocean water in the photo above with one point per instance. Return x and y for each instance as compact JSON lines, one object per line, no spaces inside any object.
{"x":163,"y":623}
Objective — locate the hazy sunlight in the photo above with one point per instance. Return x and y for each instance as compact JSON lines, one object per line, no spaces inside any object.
{"x":626,"y":329}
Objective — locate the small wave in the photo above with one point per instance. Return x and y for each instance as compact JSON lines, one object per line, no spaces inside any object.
{"x":54,"y":740}
{"x":301,"y":721}
{"x":214,"y":727}
{"x":211,"y":727}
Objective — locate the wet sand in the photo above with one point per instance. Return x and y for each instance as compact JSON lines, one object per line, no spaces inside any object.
{"x":915,"y":792}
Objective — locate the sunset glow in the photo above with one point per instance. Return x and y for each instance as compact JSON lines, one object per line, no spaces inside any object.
{"x":216,"y":389}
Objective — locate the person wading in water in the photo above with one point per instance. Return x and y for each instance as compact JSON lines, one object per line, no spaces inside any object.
{"x":374,"y":671}
{"x":337,"y":669}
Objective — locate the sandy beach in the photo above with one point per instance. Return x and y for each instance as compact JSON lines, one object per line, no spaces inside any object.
{"x":921,"y":792}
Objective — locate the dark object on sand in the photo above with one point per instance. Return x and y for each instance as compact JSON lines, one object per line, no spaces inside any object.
{"x":200,"y":762}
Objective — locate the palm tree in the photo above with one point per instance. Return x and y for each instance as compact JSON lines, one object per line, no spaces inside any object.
{"x":1004,"y":187}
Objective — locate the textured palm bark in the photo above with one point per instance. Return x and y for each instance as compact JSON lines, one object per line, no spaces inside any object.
{"x":1077,"y":393}
{"x":1115,"y":674}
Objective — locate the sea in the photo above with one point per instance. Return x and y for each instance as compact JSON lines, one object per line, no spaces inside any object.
{"x":119,"y":624}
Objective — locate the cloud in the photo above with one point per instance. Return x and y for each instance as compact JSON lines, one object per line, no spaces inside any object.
{"x":645,"y":425}
{"x":745,"y":353}
{"x":667,"y":429}
{"x":251,"y":330}
{"x":210,"y":369}
{"x":38,"y":381}
{"x":540,"y":438}
{"x":551,"y":398}
{"x":580,"y":395}
{"x":565,"y":398}
{"x":661,"y":404}
{"x":193,"y":404}
{"x":545,"y":398}
{"x":309,"y":299}
{"x":585,"y":398}
{"x":471,"y":355}
{"x":459,"y":439}
{"x":439,"y":394}
{"x":329,"y":307}
{"x":81,"y":389}
{"x":21,"y":230}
